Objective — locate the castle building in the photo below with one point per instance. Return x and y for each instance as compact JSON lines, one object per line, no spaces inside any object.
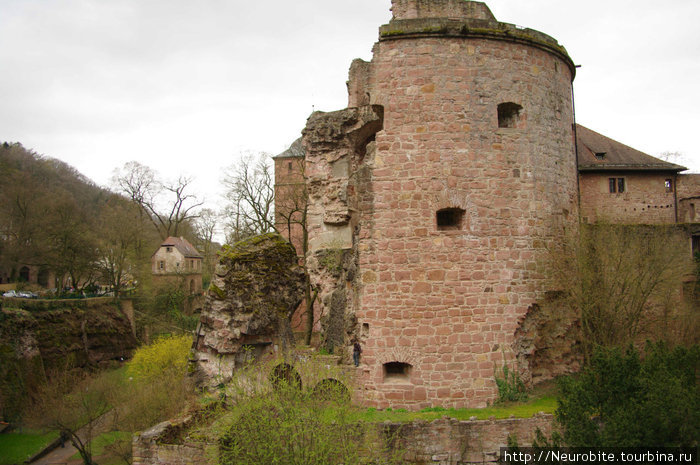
{"x":433,"y":199}
{"x":619,"y":184}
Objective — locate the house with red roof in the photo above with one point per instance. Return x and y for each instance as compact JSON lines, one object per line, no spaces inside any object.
{"x":177,"y":259}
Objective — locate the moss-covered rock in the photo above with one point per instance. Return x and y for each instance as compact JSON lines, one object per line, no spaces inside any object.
{"x":257,"y":286}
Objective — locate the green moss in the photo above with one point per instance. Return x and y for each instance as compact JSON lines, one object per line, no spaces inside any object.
{"x":247,"y":249}
{"x":393,"y":32}
{"x":218,"y":292}
{"x":331,"y":260}
{"x":434,"y":29}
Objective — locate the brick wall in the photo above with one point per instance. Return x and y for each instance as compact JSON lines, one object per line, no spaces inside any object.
{"x":689,"y":198}
{"x":447,"y":302}
{"x":645,"y":199}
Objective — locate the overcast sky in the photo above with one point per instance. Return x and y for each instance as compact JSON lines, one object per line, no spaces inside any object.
{"x":185,"y":87}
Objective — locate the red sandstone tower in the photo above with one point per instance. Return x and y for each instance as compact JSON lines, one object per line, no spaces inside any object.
{"x":434,"y":196}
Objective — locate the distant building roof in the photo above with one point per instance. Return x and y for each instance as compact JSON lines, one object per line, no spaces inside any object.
{"x":599,"y":153}
{"x":183,"y":246}
{"x":296,"y":150}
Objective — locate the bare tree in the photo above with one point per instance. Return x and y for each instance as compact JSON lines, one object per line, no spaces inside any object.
{"x":119,"y":236}
{"x":250,"y":196}
{"x":623,"y":282}
{"x":205,"y":226}
{"x":257,"y":206}
{"x":74,"y":406}
{"x":141,"y":185}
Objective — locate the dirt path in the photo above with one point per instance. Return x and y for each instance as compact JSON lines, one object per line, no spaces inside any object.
{"x":62,"y":455}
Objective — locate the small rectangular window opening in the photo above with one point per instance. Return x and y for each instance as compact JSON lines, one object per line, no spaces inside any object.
{"x":620,"y":185}
{"x":600,"y":155}
{"x":508,"y":114}
{"x":449,"y":218}
{"x":396,"y":371}
{"x":168,"y":249}
{"x":668,"y":184}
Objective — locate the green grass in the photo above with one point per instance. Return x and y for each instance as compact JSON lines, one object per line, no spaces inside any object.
{"x":546,"y":404}
{"x":100,"y":443}
{"x":18,"y":447}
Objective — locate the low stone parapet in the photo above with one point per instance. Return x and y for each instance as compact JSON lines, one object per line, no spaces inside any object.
{"x":444,"y":441}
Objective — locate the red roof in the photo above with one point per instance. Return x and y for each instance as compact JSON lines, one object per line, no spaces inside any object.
{"x":183,"y":246}
{"x":599,"y":153}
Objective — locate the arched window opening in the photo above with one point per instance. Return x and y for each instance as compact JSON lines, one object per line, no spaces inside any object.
{"x":285,"y":376}
{"x":397,"y":371}
{"x":508,"y":114}
{"x":331,"y":390}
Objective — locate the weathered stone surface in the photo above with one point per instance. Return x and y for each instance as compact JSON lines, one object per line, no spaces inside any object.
{"x":339,"y":146}
{"x":257,"y":285}
{"x":547,"y":342}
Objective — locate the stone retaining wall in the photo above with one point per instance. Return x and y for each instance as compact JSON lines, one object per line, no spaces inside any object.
{"x":440,"y":442}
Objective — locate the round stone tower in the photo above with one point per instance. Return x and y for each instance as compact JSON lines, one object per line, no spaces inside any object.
{"x":451,"y":204}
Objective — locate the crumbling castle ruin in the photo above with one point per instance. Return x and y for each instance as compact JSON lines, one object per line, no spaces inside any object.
{"x":434,"y":196}
{"x":433,"y":202}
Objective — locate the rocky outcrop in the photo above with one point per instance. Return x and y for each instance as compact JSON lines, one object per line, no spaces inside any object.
{"x":38,"y":337}
{"x":257,"y":286}
{"x":339,"y":150}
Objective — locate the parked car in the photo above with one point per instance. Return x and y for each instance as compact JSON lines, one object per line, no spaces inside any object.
{"x":21,"y":294}
{"x":27,"y":295}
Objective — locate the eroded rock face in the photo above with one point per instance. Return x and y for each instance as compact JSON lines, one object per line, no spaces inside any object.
{"x":256,"y":287}
{"x":547,"y":341}
{"x":339,"y":149}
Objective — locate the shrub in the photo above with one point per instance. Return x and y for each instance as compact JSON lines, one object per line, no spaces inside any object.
{"x":283,"y":422}
{"x":167,"y":354}
{"x":622,"y":399}
{"x":511,"y":387}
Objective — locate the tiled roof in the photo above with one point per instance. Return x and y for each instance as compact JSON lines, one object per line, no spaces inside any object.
{"x":183,"y":246}
{"x":296,"y":150}
{"x":614,"y":156}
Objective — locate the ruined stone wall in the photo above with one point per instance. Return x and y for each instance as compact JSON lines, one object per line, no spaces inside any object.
{"x":435,"y":305}
{"x":452,"y":442}
{"x":440,"y":442}
{"x":411,"y":9}
{"x":645,"y":200}
{"x":339,"y":152}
